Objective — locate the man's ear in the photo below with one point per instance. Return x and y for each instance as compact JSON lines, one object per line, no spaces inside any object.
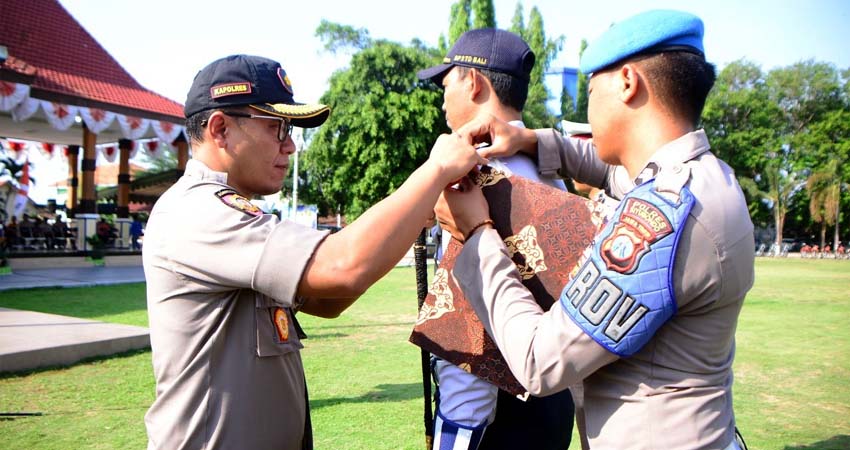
{"x":629,"y":82}
{"x":476,"y":81}
{"x":217,"y":129}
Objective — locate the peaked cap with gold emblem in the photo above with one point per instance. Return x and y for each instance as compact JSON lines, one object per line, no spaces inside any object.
{"x":244,"y":80}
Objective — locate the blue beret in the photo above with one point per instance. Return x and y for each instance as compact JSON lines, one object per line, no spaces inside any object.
{"x":648,"y":32}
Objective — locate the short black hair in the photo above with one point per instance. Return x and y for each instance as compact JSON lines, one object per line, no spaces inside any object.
{"x":510,"y":90}
{"x":681,"y":81}
{"x":196,"y":123}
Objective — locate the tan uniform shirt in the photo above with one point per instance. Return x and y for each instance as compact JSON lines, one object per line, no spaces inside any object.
{"x":674,"y":393}
{"x":221,"y":279}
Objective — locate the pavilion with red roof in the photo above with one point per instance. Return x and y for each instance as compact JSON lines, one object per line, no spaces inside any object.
{"x":60,"y":88}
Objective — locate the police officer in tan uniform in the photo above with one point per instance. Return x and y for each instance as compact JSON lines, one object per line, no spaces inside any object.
{"x":224,"y":280}
{"x":647,"y":322}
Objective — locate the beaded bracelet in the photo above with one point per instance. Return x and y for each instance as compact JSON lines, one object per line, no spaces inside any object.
{"x":476,"y":227}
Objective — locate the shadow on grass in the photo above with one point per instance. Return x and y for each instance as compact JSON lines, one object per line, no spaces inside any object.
{"x":381,"y":394}
{"x":93,"y":359}
{"x":316,"y":336}
{"x":326,"y":332}
{"x":369,"y":325}
{"x":840,"y":442}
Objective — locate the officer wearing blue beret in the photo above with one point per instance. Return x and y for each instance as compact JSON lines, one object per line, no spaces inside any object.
{"x":647,"y":322}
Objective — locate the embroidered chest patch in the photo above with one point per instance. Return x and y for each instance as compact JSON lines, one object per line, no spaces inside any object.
{"x":281,"y":324}
{"x":639,"y":226}
{"x":232,"y":199}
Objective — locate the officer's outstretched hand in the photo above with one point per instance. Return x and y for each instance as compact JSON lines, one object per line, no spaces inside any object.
{"x":462,"y":210}
{"x":455,"y":156}
{"x":504,"y":138}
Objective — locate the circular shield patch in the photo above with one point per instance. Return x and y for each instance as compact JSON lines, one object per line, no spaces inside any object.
{"x":232,"y":199}
{"x":281,"y":324}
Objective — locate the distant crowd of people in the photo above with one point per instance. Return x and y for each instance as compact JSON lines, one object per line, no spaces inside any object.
{"x":814,"y":251}
{"x":806,"y":251}
{"x":37,"y":233}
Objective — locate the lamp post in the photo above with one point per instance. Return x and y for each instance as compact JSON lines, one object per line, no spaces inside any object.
{"x":298,"y":139}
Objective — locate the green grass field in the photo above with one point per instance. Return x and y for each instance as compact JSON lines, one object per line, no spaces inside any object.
{"x":791,"y":371}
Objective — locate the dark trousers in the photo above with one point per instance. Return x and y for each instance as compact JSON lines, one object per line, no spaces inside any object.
{"x":541,"y":423}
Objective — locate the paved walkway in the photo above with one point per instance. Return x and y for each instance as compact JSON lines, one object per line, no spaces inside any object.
{"x":71,"y":277}
{"x":30,"y":340}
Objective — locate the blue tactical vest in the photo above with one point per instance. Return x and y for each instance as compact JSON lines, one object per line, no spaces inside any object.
{"x":623,"y":293}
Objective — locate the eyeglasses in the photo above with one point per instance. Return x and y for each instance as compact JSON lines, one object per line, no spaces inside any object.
{"x":283,"y":131}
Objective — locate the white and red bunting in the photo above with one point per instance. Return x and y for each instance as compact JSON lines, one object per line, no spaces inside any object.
{"x":51,"y":150}
{"x":134,"y":149}
{"x":166,"y":131}
{"x":16,"y":146}
{"x":15,"y":98}
{"x":25,"y":109}
{"x":154,"y":149}
{"x":110,"y":152}
{"x":59,"y":116}
{"x":97,"y":119}
{"x":133,"y":127}
{"x":12,"y":94}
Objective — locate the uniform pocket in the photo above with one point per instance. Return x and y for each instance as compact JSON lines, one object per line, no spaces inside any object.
{"x":276,"y":334}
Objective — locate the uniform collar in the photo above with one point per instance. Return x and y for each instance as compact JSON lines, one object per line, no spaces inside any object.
{"x":199,"y":170}
{"x":676,"y":152}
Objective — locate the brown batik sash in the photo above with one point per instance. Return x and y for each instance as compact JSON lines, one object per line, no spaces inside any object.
{"x":546,"y":230}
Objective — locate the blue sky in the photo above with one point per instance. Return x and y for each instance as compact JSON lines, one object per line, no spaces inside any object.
{"x":164,"y":43}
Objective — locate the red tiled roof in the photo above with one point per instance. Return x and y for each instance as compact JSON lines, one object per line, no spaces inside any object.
{"x":70,"y":66}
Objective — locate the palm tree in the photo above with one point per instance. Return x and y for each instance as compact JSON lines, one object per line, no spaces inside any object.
{"x":824,"y":187}
{"x":11,"y":172}
{"x":782,"y":184}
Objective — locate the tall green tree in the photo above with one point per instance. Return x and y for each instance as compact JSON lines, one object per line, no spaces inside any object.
{"x":518,"y":20}
{"x":828,"y":141}
{"x":581,"y":89}
{"x":383,"y":123}
{"x":483,"y":14}
{"x":337,"y":37}
{"x":442,"y":44}
{"x":568,"y":108}
{"x":782,"y":185}
{"x":776,"y":130}
{"x":536,"y":114}
{"x":576,"y":110}
{"x":845,"y":75}
{"x":743,"y":124}
{"x":744,"y":128}
{"x":805,"y":91}
{"x":824,"y":187}
{"x":460,"y":20}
